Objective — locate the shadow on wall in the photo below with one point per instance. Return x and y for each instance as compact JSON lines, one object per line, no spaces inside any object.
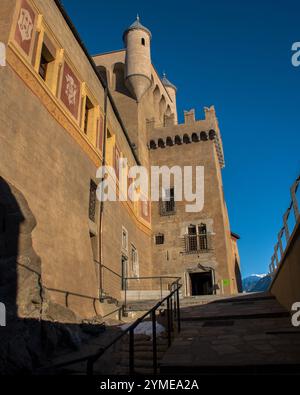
{"x":238,"y":276}
{"x":36,"y":328}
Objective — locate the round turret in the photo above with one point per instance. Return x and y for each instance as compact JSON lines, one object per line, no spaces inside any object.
{"x":138,"y":58}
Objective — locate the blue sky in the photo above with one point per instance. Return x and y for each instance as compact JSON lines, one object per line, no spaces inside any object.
{"x":237,"y":56}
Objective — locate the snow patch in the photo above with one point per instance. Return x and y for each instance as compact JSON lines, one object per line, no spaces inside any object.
{"x":145,"y":328}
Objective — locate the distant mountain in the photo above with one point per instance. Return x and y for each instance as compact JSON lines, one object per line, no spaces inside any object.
{"x":263,"y":284}
{"x":250,"y":282}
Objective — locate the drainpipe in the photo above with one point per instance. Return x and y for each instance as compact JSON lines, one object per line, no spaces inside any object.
{"x":102,"y":202}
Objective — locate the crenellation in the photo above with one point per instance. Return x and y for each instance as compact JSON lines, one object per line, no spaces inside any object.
{"x":189,"y":117}
{"x":169,"y":120}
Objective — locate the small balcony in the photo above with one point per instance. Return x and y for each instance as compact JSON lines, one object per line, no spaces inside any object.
{"x":197,"y":244}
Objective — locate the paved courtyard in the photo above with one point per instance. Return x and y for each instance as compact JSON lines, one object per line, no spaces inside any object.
{"x":245,"y":334}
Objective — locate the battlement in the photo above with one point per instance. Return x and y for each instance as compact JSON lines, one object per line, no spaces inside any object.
{"x":209,"y":120}
{"x":191,"y":131}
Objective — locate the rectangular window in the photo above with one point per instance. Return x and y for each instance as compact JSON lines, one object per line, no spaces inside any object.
{"x":159,"y":239}
{"x":167,"y":205}
{"x":196,"y":239}
{"x":192,"y":238}
{"x":202,"y":237}
{"x":134,"y":262}
{"x":46,"y":63}
{"x":110,"y":148}
{"x":93,"y":200}
{"x":124,"y":239}
{"x":88,"y":117}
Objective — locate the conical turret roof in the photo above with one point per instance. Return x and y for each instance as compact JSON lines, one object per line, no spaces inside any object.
{"x":136,"y":25}
{"x":166,"y":82}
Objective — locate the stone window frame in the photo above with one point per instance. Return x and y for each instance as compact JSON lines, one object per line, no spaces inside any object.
{"x":207,"y":240}
{"x":125,"y":247}
{"x":168,"y":207}
{"x":93,"y":201}
{"x":91,"y":134}
{"x":46,"y":38}
{"x":134,"y":265}
{"x":156,"y":239}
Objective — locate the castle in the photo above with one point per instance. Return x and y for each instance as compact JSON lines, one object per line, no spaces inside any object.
{"x":64,"y":114}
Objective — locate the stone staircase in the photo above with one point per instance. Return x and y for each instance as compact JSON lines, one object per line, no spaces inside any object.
{"x":111,"y":308}
{"x":143,"y":355}
{"x":244,"y":334}
{"x":185,"y":301}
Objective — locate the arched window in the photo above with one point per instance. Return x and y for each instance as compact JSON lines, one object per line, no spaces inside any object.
{"x":103,"y":72}
{"x":168,"y":111}
{"x":162,"y":107}
{"x":203,"y":136}
{"x":119,"y":79}
{"x":178,"y":140}
{"x":212,"y":134}
{"x":153,"y":144}
{"x":195,"y":137}
{"x":161,"y":143}
{"x":169,"y":141}
{"x":143,"y":42}
{"x":186,"y":139}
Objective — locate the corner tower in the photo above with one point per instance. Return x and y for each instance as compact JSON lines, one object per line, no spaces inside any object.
{"x":137,"y":40}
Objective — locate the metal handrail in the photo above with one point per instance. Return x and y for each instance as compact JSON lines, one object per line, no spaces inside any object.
{"x":279,"y":249}
{"x":125,"y":280}
{"x":110,"y":270}
{"x":161,"y":278}
{"x":172,"y":305}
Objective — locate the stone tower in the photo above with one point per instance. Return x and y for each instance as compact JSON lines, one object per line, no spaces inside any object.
{"x":137,"y":40}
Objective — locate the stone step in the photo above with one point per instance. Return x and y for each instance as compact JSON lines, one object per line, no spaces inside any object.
{"x":142,"y":355}
{"x":159,"y":341}
{"x":138,"y":363}
{"x":145,"y":349}
{"x":122,"y":370}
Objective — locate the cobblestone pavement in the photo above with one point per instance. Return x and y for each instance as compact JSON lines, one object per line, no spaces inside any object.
{"x":250,"y":333}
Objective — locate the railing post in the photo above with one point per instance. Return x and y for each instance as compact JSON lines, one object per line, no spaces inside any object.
{"x":280,"y":243}
{"x":90,"y":367}
{"x":178,"y":311}
{"x":169,"y":322}
{"x":171,"y":312}
{"x":131,"y":351}
{"x":161,"y":288}
{"x":294,"y":199}
{"x":101,"y":277}
{"x":125,"y":295}
{"x":286,"y":226}
{"x":276,"y":254}
{"x":175,"y":305}
{"x":154,"y":341}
